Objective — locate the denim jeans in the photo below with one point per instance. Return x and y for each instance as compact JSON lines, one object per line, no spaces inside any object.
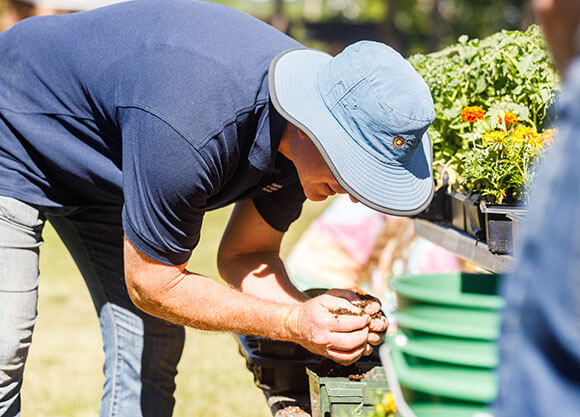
{"x":540,"y":339}
{"x":141,"y":352}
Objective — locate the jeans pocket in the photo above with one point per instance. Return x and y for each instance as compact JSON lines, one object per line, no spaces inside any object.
{"x":19,"y":214}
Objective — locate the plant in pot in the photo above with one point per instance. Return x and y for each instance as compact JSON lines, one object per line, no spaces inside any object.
{"x":499,"y":164}
{"x":509,"y":72}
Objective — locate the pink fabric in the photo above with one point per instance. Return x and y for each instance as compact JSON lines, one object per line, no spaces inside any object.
{"x":439,"y":260}
{"x":356,"y":237}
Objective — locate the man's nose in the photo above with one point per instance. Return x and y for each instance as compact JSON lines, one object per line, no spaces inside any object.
{"x":335,"y":186}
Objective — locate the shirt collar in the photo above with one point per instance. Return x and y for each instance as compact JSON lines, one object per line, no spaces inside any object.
{"x":264,"y":150}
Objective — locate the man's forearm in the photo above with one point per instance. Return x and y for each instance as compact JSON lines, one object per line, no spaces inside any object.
{"x":202,"y":303}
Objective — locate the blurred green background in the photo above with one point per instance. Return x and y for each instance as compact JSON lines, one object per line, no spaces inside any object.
{"x":410,"y":26}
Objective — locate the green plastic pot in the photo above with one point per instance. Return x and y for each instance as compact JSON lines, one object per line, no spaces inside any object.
{"x":449,"y":321}
{"x":443,"y":380}
{"x":332,"y":396}
{"x":450,"y":289}
{"x":455,"y":351}
{"x":447,"y":410}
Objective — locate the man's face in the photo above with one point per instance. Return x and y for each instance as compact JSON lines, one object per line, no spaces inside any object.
{"x":315,"y":176}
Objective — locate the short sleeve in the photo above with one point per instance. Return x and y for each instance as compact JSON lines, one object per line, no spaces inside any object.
{"x":165,"y":187}
{"x":281,"y":207}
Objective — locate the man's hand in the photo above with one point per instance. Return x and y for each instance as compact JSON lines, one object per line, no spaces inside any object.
{"x":559,"y":20}
{"x":322,"y":327}
{"x":372,"y":307}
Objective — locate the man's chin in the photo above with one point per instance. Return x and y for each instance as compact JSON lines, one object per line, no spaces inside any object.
{"x":317,"y":197}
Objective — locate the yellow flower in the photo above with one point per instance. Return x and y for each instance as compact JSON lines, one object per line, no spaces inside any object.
{"x":490,"y":138}
{"x":524,"y":134}
{"x":389,"y":403}
{"x":472,"y":114}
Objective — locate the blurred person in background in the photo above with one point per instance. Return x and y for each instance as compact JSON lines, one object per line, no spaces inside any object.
{"x":124,"y":125}
{"x":539,"y":373}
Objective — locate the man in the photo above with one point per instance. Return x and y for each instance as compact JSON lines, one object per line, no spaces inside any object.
{"x":124,"y":125}
{"x":539,"y":371}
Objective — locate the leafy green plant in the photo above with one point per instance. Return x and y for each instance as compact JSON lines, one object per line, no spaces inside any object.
{"x":510,"y":68}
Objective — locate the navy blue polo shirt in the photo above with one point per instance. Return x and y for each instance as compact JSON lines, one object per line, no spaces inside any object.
{"x":159,"y":106}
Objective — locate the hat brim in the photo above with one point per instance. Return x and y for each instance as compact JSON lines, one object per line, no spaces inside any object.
{"x":398,"y":189}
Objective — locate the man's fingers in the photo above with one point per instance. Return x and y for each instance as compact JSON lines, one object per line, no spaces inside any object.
{"x":346,"y":358}
{"x":375,"y":339}
{"x":372,"y":308}
{"x":379,"y":324}
{"x":367,"y":350}
{"x":348,"y":341}
{"x":348,"y":322}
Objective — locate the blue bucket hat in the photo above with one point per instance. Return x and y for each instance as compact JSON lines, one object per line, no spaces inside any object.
{"x":367,"y":111}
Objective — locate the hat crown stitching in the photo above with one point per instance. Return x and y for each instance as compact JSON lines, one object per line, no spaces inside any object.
{"x":346,"y":93}
{"x":373,"y":133}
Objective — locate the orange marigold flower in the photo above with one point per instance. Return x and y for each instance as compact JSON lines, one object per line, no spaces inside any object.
{"x":510,"y":119}
{"x":472,"y":114}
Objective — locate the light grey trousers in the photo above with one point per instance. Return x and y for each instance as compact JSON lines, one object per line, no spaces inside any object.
{"x":141,"y":351}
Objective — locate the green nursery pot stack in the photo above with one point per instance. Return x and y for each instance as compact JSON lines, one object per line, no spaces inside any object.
{"x":445,"y":351}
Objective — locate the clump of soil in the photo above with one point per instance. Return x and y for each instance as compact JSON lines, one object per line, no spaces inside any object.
{"x":341,"y":311}
{"x":357,"y":377}
{"x":362,"y":303}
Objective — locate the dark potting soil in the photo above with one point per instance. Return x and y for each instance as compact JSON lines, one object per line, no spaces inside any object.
{"x":327,"y":368}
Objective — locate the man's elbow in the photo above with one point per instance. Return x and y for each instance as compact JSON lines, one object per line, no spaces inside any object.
{"x":144,"y":297}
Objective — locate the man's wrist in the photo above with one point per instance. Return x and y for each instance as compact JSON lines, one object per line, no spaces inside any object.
{"x":291,"y":323}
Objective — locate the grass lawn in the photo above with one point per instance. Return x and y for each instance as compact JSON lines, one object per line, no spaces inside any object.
{"x":64,"y":375}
